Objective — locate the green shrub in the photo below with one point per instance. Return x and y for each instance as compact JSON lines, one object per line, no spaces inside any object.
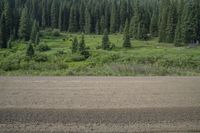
{"x":60,"y":53}
{"x":10,"y":63}
{"x":77,"y":57}
{"x":43,"y":47}
{"x":85,"y":53}
{"x":56,"y":32}
{"x":98,"y":47}
{"x":41,"y":58}
{"x":30,"y":51}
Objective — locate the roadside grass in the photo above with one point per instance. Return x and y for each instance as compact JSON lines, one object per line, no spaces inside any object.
{"x":145,"y":58}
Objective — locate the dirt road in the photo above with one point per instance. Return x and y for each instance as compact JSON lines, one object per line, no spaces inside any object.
{"x":99,"y":104}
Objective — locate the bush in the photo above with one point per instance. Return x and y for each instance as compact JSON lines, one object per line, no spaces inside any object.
{"x":112,"y":46}
{"x":43,"y":47}
{"x":85,"y":53}
{"x":60,"y":52}
{"x":11,"y":63}
{"x":77,"y":57}
{"x":40,"y":58}
{"x":56,"y":32}
{"x":30,"y":51}
{"x":98,"y":47}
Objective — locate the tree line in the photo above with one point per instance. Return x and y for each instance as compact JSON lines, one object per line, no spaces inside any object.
{"x":172,"y":21}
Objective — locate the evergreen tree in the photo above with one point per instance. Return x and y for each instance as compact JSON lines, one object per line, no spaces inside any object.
{"x":127,"y":42}
{"x":123,"y":14}
{"x":97,"y":27}
{"x":16,"y":19}
{"x":60,"y":22}
{"x":37,"y":38}
{"x":87,"y":22}
{"x":54,"y":14}
{"x":82,"y":44}
{"x":73,"y":25}
{"x":82,"y":17}
{"x":8,"y":17}
{"x":75,"y":45}
{"x":135,"y":20}
{"x":1,"y":41}
{"x":102,"y":25}
{"x":113,"y":20}
{"x":105,"y":41}
{"x":4,"y":37}
{"x":160,"y":18}
{"x":154,"y":25}
{"x":107,"y":17}
{"x":44,"y":24}
{"x":24,"y":29}
{"x":9,"y":44}
{"x":34,"y":31}
{"x":30,"y":51}
{"x":163,"y":20}
{"x":171,"y":23}
{"x":178,"y":32}
{"x":190,"y":22}
{"x":82,"y":49}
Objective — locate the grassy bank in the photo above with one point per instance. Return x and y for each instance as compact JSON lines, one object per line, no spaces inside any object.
{"x":145,"y":58}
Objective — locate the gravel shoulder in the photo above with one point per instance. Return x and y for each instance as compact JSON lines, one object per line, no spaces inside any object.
{"x":99,"y":104}
{"x":99,"y":92}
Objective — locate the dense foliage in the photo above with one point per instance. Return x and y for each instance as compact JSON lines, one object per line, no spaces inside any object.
{"x":175,"y":21}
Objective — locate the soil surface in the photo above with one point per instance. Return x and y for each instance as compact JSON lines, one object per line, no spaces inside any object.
{"x":99,"y":104}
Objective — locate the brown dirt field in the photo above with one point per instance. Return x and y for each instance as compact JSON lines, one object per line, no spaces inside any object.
{"x":99,"y":104}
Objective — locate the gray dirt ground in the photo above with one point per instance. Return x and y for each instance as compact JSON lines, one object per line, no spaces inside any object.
{"x":99,"y":104}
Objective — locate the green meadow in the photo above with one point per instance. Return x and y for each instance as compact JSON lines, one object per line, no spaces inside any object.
{"x":53,"y":57}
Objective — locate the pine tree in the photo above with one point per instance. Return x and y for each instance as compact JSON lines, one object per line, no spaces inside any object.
{"x":113,"y":20}
{"x":16,"y":19}
{"x":190,"y":22}
{"x":60,"y":22}
{"x":34,"y":31}
{"x":9,"y":44}
{"x":163,"y":20}
{"x":127,"y":42}
{"x":97,"y":27}
{"x":171,"y":24}
{"x":82,"y":44}
{"x":135,"y":20}
{"x":102,"y":25}
{"x":30,"y":51}
{"x":4,"y":37}
{"x":82,"y":17}
{"x":1,"y":37}
{"x":24,"y":29}
{"x":105,"y":41}
{"x":44,"y":24}
{"x":107,"y":17}
{"x":178,"y":37}
{"x":73,"y":25}
{"x":8,"y":17}
{"x":87,"y":22}
{"x":178,"y":40}
{"x":123,"y":14}
{"x":54,"y":16}
{"x":75,"y":45}
{"x":37,"y":38}
{"x":154,"y":25}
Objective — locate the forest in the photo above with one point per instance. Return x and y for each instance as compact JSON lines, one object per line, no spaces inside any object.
{"x":99,"y":37}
